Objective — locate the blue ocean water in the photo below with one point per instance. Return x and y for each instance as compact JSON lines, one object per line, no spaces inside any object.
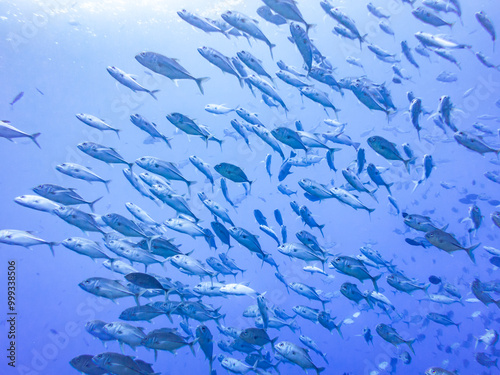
{"x":57,"y":52}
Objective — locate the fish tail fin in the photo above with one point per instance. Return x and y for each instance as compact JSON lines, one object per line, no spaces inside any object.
{"x":309,"y":26}
{"x":223,"y":317}
{"x":51,"y":246}
{"x":117,"y":131}
{"x":284,"y":107}
{"x":106,"y":183}
{"x":426,"y":288}
{"x":199,"y":82}
{"x":242,"y":82}
{"x":410,"y":345}
{"x":91,"y":204}
{"x":250,"y":185}
{"x":320,"y":227}
{"x":189,"y":183}
{"x":167,"y":141}
{"x":271,"y":46}
{"x":273,"y":341}
{"x":337,"y":110}
{"x":458,"y":326}
{"x":191,"y":346}
{"x":324,"y":357}
{"x":339,"y":331}
{"x":374,"y":280}
{"x":407,"y":163}
{"x":388,"y":187}
{"x":469,"y":251}
{"x":152,"y":93}
{"x":319,"y":370}
{"x":416,"y":183}
{"x":34,"y":137}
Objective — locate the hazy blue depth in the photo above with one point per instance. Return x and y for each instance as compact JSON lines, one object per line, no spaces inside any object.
{"x":62,"y":48}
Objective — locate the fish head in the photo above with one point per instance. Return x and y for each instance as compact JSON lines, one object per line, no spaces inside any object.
{"x":70,"y":242}
{"x":79,"y":362}
{"x":445,"y":102}
{"x":62,"y":211}
{"x":282,"y":347}
{"x":202,"y":331}
{"x":284,"y":249}
{"x":176,"y":117}
{"x":42,"y":189}
{"x":183,"y":13}
{"x":144,"y":57}
{"x":432,"y":236}
{"x":204,"y":51}
{"x":227,"y":16}
{"x":306,"y":90}
{"x":143,"y":161}
{"x":26,"y":199}
{"x":433,"y":371}
{"x":391,"y":277}
{"x":91,"y":325}
{"x":194,"y":159}
{"x":63,"y":167}
{"x":176,"y":259}
{"x":345,"y":287}
{"x":84,"y":146}
{"x":135,"y":118}
{"x":114,"y":71}
{"x":381,"y":328}
{"x":88,"y":284}
{"x":82,"y":117}
{"x":460,"y":136}
{"x":243,"y":55}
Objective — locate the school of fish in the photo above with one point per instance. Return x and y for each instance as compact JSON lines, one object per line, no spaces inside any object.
{"x":141,"y":250}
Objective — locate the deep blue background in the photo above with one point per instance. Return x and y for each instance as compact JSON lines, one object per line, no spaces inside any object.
{"x":63,"y":48}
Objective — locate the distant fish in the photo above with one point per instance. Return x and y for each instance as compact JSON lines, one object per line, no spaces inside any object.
{"x":486,"y":23}
{"x":129,"y":81}
{"x":17,"y":98}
